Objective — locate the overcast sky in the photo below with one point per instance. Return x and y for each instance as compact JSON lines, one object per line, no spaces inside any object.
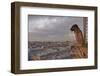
{"x":52,"y":28}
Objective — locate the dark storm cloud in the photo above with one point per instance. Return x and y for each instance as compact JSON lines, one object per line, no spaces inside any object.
{"x":52,"y":28}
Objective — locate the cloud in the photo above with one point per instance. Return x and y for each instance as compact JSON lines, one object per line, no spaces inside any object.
{"x":52,"y":28}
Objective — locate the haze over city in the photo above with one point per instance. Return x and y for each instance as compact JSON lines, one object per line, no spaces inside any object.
{"x":52,"y":28}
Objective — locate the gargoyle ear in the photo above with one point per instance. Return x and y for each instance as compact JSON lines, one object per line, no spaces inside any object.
{"x":75,"y":25}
